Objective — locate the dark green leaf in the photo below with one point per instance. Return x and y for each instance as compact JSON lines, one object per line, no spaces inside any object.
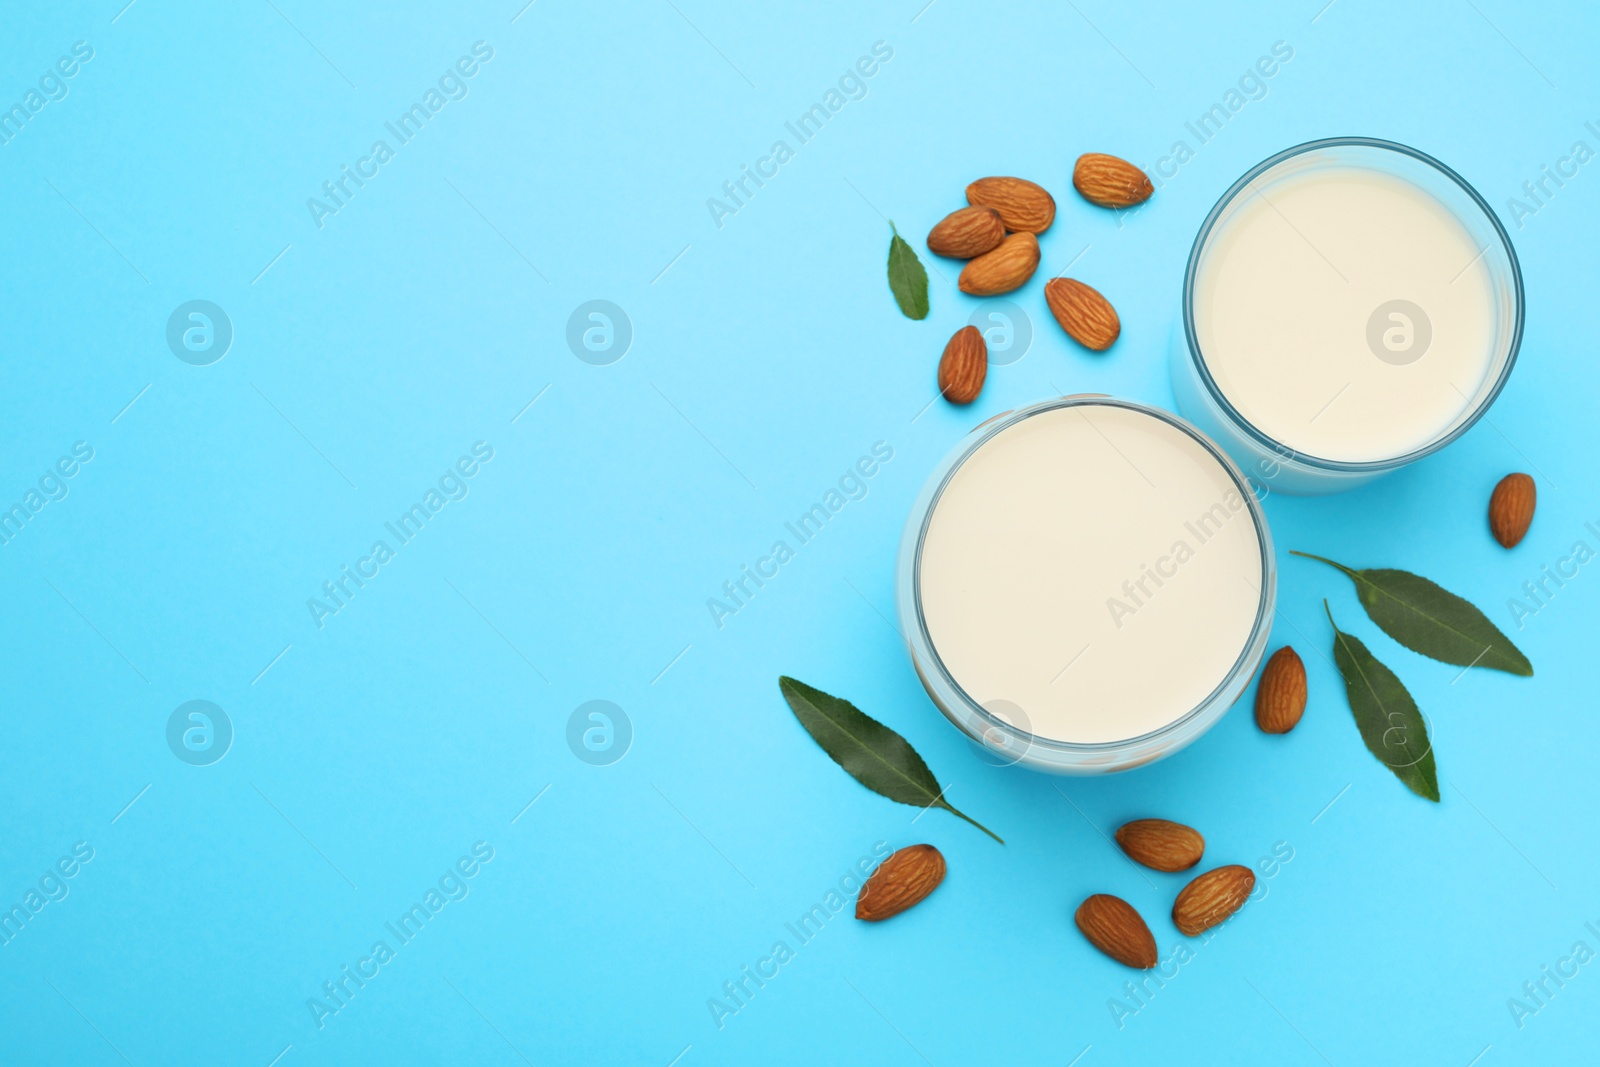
{"x":1431,"y":620}
{"x":907,"y":279}
{"x":875,"y":755}
{"x":1386,"y":715}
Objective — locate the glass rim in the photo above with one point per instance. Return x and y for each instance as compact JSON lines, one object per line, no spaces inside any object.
{"x":1283,"y":450}
{"x":1259,"y":630}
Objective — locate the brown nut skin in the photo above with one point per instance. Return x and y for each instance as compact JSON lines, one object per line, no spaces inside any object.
{"x":1088,"y":317}
{"x":1113,"y":926}
{"x":1281,"y":695}
{"x":1212,"y":898}
{"x":964,"y":366}
{"x":970,"y":232}
{"x":1006,"y":268}
{"x":1511,"y":509}
{"x":1161,"y":845}
{"x":1024,"y":206}
{"x":900,"y":882}
{"x":1110,"y":181}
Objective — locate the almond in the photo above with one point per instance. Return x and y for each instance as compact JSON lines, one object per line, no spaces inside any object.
{"x":1088,"y":317}
{"x":964,"y":365}
{"x":1110,"y":182}
{"x":1162,"y":845}
{"x":1003,"y":269}
{"x":972,"y":231}
{"x":1511,"y":509}
{"x":1023,"y":206}
{"x":1281,"y":696}
{"x":1211,"y":898}
{"x":1115,"y":928}
{"x":901,"y":881}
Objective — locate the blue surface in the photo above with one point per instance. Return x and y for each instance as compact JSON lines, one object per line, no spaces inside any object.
{"x":371,"y":754}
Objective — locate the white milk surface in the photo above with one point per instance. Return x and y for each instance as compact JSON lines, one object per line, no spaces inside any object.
{"x":1093,"y":566}
{"x":1286,"y":290}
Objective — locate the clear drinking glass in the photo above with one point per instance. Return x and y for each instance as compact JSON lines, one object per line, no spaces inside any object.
{"x":999,"y":740}
{"x":1275,"y":463}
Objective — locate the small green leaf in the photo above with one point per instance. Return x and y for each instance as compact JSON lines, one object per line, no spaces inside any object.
{"x":875,"y":755}
{"x":1431,"y":620}
{"x":1386,"y":715}
{"x":907,"y":279}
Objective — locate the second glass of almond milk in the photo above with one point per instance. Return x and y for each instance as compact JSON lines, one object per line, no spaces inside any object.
{"x":1086,"y":585}
{"x":1350,"y":306}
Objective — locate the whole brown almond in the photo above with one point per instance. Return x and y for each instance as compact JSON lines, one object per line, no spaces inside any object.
{"x":1281,"y":696}
{"x":964,"y":366}
{"x":972,"y":231}
{"x":1002,"y":270}
{"x":901,"y":881}
{"x":1511,"y":509}
{"x":1023,"y":206}
{"x":1109,"y":181}
{"x":1161,"y":845}
{"x":1211,"y":898}
{"x":1113,"y":926}
{"x":1088,"y":317}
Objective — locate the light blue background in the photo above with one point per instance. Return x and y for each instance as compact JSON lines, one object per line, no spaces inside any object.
{"x":766,"y":358}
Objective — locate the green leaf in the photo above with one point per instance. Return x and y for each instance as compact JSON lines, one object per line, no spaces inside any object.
{"x":1386,"y":715}
{"x":1431,"y":620}
{"x":907,"y":279}
{"x":875,"y":755}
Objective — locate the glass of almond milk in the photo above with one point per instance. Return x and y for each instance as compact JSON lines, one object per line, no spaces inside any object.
{"x":1086,"y":585}
{"x":1350,"y":306}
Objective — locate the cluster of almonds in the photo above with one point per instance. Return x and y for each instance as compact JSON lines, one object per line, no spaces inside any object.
{"x":1110,"y":923}
{"x":1113,"y":926}
{"x":998,"y":236}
